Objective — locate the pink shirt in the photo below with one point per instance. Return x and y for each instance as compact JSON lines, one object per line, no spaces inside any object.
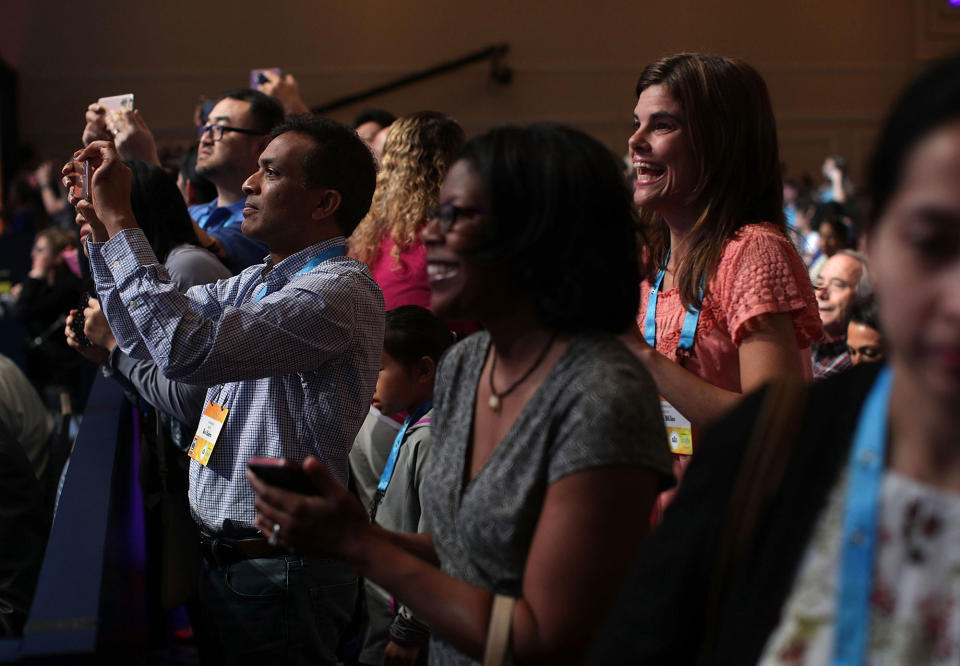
{"x":403,"y":282}
{"x":759,"y":273}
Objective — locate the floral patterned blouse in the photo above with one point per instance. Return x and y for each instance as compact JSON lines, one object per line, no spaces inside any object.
{"x":914,"y":615}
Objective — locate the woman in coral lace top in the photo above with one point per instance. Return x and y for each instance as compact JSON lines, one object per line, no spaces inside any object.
{"x":710,"y":194}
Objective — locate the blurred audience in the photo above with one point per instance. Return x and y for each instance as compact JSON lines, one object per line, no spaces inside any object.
{"x":23,"y":534}
{"x":24,"y":416}
{"x":41,"y":304}
{"x":833,"y":233}
{"x":838,"y":187}
{"x":370,"y":122}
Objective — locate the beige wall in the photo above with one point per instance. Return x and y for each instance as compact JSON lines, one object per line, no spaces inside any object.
{"x":832,"y":65}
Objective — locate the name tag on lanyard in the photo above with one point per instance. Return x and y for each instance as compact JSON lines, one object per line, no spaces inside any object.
{"x":679,"y":429}
{"x":215,"y":415}
{"x":208,"y":431}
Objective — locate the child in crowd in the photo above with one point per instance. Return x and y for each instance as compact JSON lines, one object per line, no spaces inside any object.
{"x":414,"y":340}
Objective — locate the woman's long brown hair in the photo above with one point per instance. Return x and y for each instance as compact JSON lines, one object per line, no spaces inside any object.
{"x":733,"y":137}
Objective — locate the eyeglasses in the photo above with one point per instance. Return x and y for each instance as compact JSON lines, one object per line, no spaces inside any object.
{"x":216,"y":131}
{"x":445,"y":216}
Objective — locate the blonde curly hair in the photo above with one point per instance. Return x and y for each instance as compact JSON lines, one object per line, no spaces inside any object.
{"x":419,"y":150}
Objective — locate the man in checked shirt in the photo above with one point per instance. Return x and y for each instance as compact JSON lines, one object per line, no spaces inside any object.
{"x":289,"y":352}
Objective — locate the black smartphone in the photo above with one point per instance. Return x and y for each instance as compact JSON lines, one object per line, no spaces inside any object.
{"x":282,"y":474}
{"x":79,"y":320}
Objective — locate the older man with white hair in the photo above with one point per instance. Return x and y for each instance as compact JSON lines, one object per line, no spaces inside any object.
{"x":843,"y":281}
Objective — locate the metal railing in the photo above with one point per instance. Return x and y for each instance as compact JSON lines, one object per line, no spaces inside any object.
{"x":499,"y":73}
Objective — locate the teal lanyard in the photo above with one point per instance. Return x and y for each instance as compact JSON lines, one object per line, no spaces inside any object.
{"x":690,"y":320}
{"x":401,"y":437}
{"x":860,"y":519}
{"x":335,"y":251}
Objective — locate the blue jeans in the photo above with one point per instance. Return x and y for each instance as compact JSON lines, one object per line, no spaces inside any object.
{"x":276,"y":610}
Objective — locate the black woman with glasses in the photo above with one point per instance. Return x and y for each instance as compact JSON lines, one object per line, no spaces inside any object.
{"x":549,"y":448}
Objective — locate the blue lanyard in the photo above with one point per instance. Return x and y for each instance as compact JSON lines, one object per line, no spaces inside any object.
{"x":387,"y":474}
{"x":335,"y":251}
{"x":690,"y":320}
{"x":398,"y":442}
{"x":860,"y":517}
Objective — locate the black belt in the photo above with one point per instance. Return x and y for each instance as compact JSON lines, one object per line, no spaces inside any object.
{"x":222,"y":551}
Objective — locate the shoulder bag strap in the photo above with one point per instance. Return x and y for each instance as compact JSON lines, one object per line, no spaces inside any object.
{"x":497,"y":650}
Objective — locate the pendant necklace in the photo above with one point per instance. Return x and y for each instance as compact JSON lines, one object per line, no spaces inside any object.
{"x":497,"y":398}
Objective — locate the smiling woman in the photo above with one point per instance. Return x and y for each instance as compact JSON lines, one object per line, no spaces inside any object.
{"x":727,"y":305}
{"x":550,"y":436}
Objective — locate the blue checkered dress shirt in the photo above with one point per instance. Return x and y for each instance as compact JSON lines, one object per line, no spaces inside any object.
{"x":297,"y":369}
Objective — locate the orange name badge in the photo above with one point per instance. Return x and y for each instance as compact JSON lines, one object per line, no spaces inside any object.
{"x":208,"y":430}
{"x":679,"y":430}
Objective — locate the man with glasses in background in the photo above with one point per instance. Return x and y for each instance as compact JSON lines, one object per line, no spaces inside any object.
{"x":230,"y":144}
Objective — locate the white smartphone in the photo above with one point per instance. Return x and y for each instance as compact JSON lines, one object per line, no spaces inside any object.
{"x":117,"y":102}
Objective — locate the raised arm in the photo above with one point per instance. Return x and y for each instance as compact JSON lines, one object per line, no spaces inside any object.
{"x":285,"y":90}
{"x":199,"y":337}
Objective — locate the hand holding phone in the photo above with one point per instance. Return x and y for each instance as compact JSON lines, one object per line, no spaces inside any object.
{"x":259,"y":76}
{"x":282,"y":474}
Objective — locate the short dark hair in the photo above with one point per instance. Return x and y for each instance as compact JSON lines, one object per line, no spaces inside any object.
{"x":206,"y":190}
{"x":411,"y":332}
{"x":378,"y":116}
{"x":265,"y":111}
{"x":159,"y":209}
{"x":836,"y":222}
{"x":931,"y":101}
{"x":564,"y":223}
{"x":339,"y":161}
{"x":864,"y":311}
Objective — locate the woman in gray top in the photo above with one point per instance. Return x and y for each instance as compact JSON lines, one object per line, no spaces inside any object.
{"x":548,"y":442}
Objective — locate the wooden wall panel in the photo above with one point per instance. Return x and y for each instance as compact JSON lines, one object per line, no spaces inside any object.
{"x":832,"y":67}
